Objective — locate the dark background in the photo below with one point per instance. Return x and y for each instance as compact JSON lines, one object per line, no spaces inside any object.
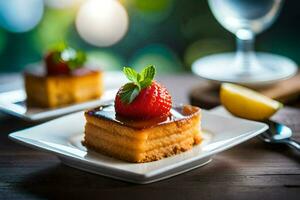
{"x":168,"y":33}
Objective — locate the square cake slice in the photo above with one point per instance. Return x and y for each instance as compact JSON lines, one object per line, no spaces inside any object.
{"x":142,"y":140}
{"x":54,"y":91}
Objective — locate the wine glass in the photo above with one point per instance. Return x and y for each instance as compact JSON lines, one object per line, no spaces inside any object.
{"x":245,"y":19}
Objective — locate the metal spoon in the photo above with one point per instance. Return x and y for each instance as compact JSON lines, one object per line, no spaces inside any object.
{"x":279,"y":134}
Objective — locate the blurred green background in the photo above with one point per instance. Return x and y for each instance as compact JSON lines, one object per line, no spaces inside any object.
{"x":168,"y":33}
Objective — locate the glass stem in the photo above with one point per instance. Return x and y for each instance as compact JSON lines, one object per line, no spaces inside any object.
{"x":246,"y":60}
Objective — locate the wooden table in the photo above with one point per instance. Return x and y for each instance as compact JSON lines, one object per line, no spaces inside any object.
{"x":252,"y":170}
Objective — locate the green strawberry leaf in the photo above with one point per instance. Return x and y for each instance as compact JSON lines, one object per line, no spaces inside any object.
{"x":139,"y":81}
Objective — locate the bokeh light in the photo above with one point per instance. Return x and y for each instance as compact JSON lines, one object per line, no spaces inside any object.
{"x":204,"y":47}
{"x":102,"y":22}
{"x":151,"y":10}
{"x":20,"y":15}
{"x":61,"y":4}
{"x":105,"y":60}
{"x":159,"y":55}
{"x":51,"y":30}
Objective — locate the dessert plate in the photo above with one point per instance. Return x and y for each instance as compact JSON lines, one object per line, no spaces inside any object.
{"x":63,"y":137}
{"x":14,"y":102}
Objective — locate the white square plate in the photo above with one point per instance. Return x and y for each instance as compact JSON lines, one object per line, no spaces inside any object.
{"x":63,"y":137}
{"x":14,"y":102}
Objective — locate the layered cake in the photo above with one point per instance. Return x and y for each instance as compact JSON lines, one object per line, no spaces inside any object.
{"x":64,"y":80}
{"x":142,"y":126}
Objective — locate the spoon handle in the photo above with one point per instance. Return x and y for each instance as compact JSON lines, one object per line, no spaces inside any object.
{"x":293,"y":143}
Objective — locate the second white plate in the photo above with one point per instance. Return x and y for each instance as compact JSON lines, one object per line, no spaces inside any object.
{"x":14,"y":102}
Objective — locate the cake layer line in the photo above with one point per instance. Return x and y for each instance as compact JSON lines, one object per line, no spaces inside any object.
{"x":99,"y":134}
{"x":132,"y":156}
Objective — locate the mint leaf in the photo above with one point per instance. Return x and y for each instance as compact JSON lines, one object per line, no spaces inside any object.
{"x":59,"y":47}
{"x":145,"y":83}
{"x":129,"y":92}
{"x":131,"y":74}
{"x":147,"y":74}
{"x":139,"y":81}
{"x":56,"y":57}
{"x":78,"y":60}
{"x":73,"y":58}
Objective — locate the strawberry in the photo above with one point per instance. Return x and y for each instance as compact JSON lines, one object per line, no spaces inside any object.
{"x":54,"y":67}
{"x":142,"y":98}
{"x":63,"y":59}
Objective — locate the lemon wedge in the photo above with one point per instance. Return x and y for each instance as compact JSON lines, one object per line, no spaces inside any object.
{"x":246,"y":103}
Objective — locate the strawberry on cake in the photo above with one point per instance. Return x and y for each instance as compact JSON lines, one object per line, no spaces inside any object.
{"x":141,"y":125}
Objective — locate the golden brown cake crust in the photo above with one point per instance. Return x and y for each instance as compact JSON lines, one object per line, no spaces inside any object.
{"x":142,"y":145}
{"x":152,"y":156}
{"x":55,"y":91}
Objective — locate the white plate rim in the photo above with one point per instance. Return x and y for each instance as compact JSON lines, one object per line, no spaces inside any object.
{"x":10,"y":107}
{"x":137,"y":177}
